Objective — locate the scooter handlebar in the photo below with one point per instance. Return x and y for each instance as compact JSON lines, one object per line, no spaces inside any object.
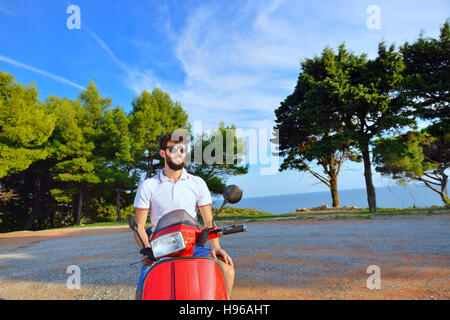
{"x":216,"y":233}
{"x":235,"y":229}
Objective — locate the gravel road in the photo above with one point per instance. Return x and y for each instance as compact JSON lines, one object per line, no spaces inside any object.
{"x":298,"y":259}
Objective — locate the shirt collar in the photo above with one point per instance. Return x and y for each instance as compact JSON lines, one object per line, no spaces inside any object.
{"x":162,"y":177}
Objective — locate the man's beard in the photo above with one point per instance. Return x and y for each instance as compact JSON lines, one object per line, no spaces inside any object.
{"x":173,"y":165}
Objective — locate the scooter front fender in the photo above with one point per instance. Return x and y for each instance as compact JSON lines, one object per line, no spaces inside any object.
{"x":186,"y":278}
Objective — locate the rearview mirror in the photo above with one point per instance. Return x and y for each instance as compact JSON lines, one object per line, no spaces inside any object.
{"x":232,"y":194}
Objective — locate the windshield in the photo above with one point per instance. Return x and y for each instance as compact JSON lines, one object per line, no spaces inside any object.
{"x":174,"y":218}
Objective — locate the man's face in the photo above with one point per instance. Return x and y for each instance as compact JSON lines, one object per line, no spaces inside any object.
{"x":175,"y":160}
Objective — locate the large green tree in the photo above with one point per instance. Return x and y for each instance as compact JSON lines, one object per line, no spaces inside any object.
{"x":116,"y":147}
{"x":422,"y":156}
{"x":35,"y":185}
{"x":56,"y":154}
{"x":24,"y":126}
{"x":81,"y":166}
{"x":353,"y":99}
{"x":153,"y":114}
{"x":302,"y":142}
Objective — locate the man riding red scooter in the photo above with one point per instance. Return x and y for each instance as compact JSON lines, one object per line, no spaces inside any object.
{"x":173,"y":197}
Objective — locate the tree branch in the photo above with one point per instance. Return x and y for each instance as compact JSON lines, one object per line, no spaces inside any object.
{"x":318,"y":176}
{"x":438,"y":179}
{"x":430,"y":160}
{"x":431,"y":187}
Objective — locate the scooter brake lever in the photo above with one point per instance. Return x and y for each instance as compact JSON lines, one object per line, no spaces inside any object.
{"x":137,"y":261}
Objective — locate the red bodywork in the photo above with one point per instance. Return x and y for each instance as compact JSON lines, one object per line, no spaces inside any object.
{"x":188,"y":278}
{"x":182,"y":276}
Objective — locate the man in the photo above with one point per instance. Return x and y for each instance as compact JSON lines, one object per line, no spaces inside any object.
{"x":171,"y":189}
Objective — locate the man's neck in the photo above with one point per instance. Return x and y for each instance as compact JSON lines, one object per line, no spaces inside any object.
{"x":173,"y":175}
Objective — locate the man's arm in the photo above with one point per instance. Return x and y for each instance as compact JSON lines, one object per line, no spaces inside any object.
{"x":206,"y":213}
{"x":141,"y":218}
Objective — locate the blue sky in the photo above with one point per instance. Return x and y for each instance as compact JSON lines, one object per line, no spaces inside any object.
{"x":231,"y":61}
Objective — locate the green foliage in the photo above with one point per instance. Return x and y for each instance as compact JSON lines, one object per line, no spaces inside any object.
{"x":400,"y":156}
{"x":24,"y":126}
{"x":303,"y":119}
{"x":64,"y":196}
{"x":116,"y":140}
{"x":341,"y":102}
{"x":235,"y":212}
{"x":153,"y":114}
{"x":222,"y":152}
{"x":422,"y":156}
{"x":82,"y":160}
{"x":238,"y":214}
{"x":68,"y":161}
{"x":427,"y":85}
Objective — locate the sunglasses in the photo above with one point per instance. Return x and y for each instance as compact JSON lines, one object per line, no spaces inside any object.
{"x":174,"y":149}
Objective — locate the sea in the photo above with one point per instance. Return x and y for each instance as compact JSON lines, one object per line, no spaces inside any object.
{"x":387,"y":197}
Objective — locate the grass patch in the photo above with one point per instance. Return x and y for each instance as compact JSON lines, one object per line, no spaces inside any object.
{"x":242,"y":214}
{"x":234,"y":214}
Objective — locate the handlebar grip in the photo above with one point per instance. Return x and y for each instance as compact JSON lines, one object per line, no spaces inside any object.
{"x":235,"y":229}
{"x":148,"y":252}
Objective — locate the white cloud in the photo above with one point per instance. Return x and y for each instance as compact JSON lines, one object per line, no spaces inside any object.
{"x":139,"y":80}
{"x":236,"y":64}
{"x":241,"y":60}
{"x":6,"y":11}
{"x":134,"y":78}
{"x":40,"y":71}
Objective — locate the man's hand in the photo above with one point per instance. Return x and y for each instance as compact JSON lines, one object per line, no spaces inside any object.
{"x":216,"y":252}
{"x":149,"y":257}
{"x":219,"y":253}
{"x":147,"y":262}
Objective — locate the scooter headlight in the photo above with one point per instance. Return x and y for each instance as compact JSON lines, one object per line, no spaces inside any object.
{"x":168,"y":244}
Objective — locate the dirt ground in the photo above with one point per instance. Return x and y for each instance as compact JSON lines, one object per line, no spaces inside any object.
{"x":289,"y":260}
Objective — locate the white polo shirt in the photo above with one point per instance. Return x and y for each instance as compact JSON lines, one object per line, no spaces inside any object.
{"x":161,"y":195}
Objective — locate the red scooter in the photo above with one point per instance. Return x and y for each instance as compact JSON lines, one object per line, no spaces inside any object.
{"x":176,"y":274}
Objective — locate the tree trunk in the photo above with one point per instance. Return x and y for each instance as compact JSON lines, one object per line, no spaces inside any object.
{"x":371,"y":197}
{"x":444,"y":197}
{"x":118,"y":190}
{"x":80,"y":206}
{"x":334,"y":192}
{"x":35,"y":207}
{"x":39,"y":197}
{"x":30,"y":220}
{"x":443,"y":193}
{"x":52,"y":215}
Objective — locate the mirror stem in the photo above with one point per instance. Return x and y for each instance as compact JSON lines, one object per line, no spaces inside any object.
{"x":143,"y":244}
{"x":217,"y":212}
{"x":133,"y":226}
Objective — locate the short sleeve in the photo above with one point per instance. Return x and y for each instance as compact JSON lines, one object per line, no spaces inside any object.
{"x":204,"y":198}
{"x":142,"y":198}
